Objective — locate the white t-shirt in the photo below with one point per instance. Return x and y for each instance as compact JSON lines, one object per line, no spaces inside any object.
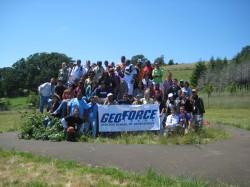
{"x":129,"y":73}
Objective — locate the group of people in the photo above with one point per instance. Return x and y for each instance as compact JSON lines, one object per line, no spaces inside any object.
{"x":78,"y":90}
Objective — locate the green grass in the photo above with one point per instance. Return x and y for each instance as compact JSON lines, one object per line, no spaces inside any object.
{"x":208,"y":134}
{"x":182,"y":71}
{"x":25,"y":169}
{"x":18,"y":103}
{"x":9,"y":121}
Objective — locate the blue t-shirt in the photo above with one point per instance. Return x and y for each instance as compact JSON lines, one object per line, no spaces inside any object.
{"x":80,"y":104}
{"x":93,"y":109}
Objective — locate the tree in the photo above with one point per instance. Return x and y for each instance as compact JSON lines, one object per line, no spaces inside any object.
{"x":29,"y":73}
{"x":160,"y":60}
{"x":10,"y":83}
{"x":209,"y":90}
{"x":211,"y":64}
{"x":199,"y":71}
{"x":171,"y":62}
{"x":135,"y":58}
{"x":232,"y":87}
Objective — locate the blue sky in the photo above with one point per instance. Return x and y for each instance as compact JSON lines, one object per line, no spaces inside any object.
{"x":183,"y":30}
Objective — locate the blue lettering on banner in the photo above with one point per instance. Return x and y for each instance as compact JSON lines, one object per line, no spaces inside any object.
{"x":130,"y":115}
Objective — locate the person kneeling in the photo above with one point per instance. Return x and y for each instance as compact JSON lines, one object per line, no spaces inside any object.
{"x":73,"y":125}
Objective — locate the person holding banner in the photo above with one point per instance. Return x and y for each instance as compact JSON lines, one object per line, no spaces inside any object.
{"x":92,"y":116}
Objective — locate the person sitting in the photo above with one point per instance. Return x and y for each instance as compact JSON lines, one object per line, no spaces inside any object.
{"x":89,"y":79}
{"x":125,"y":100}
{"x":172,"y":122}
{"x":139,"y":90}
{"x":110,"y":100}
{"x":146,"y":81}
{"x":138,"y":100}
{"x":185,"y":120}
{"x":147,"y":99}
{"x":102,"y":92}
{"x":91,"y":90}
{"x":68,"y":94}
{"x":170,"y":103}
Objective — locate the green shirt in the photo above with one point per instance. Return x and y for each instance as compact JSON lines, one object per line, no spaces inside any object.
{"x":158,"y":72}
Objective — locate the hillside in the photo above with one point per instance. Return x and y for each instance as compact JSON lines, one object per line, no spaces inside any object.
{"x":181,"y":71}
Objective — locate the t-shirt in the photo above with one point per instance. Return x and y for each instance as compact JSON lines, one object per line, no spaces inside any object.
{"x":129,"y":73}
{"x":73,"y":120}
{"x":158,"y":72}
{"x":81,"y":104}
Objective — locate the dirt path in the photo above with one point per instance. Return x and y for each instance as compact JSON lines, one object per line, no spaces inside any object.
{"x":227,"y":161}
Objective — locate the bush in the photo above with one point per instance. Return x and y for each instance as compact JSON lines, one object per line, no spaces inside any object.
{"x":33,"y":100}
{"x":32,"y":127}
{"x":4,"y":104}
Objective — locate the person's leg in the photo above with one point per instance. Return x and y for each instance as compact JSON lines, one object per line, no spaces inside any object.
{"x":93,"y":126}
{"x":86,"y":128}
{"x":42,"y":102}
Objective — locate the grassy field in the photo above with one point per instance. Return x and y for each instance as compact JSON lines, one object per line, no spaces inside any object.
{"x":24,"y":169}
{"x":179,"y":72}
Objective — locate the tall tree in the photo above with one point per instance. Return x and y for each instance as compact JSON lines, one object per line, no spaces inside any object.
{"x":171,"y":62}
{"x":160,"y":60}
{"x":199,"y":71}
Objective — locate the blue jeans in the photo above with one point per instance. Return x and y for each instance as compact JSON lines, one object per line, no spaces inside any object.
{"x":62,"y":109}
{"x":43,"y":100}
{"x":93,"y":123}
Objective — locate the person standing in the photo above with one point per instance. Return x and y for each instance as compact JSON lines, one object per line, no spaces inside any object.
{"x":92,"y":117}
{"x":129,"y":77}
{"x":63,"y":74}
{"x":198,"y":109}
{"x":148,"y":69}
{"x":77,"y":72}
{"x":157,"y":74}
{"x":168,"y":82}
{"x":45,"y":91}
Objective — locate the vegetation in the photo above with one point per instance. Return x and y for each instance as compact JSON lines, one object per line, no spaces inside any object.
{"x":24,"y":169}
{"x":32,"y":127}
{"x":224,"y":74}
{"x":27,"y":74}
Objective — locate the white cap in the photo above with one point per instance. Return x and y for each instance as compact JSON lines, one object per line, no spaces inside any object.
{"x":109,"y":94}
{"x":170,"y":95}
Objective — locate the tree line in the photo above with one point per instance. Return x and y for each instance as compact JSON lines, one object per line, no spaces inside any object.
{"x":223,"y":74}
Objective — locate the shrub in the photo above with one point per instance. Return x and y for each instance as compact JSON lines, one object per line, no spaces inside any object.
{"x":32,"y":127}
{"x":33,"y":100}
{"x":4,"y":104}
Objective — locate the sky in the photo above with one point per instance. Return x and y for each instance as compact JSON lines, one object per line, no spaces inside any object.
{"x":183,"y":30}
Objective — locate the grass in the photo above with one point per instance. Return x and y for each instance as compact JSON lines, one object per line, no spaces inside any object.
{"x":25,"y":169}
{"x":9,"y":121}
{"x":208,"y":134}
{"x":18,"y":103}
{"x":182,"y":71}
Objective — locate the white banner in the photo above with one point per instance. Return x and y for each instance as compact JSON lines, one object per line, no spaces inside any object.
{"x":116,"y":118}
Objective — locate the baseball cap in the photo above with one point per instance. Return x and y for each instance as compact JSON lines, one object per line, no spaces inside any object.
{"x":170,"y":95}
{"x":110,"y":94}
